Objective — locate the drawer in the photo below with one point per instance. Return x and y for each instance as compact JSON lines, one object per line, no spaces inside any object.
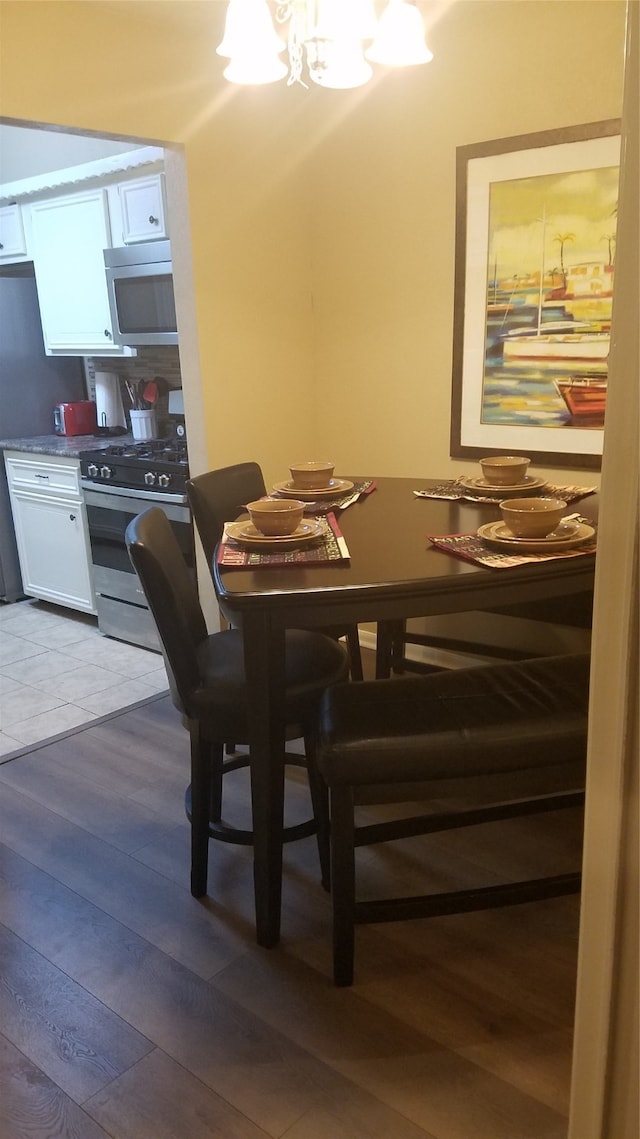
{"x":50,"y":476}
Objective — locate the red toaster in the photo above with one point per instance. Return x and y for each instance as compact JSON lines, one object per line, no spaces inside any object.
{"x":77,"y":418}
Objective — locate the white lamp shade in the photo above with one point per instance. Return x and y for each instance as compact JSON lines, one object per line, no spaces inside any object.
{"x":400,"y":39}
{"x":249,"y":28}
{"x":341,"y":66}
{"x":252,"y":70}
{"x":350,"y":19}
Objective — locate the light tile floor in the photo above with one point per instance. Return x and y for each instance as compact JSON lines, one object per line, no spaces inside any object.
{"x":57,"y":672}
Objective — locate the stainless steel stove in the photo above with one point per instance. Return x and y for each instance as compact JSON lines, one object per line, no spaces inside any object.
{"x":120,"y":481}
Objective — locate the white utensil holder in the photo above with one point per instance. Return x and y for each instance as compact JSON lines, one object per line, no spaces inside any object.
{"x":143,"y":424}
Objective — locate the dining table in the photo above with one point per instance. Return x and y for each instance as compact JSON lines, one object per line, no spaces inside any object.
{"x":392,"y":571}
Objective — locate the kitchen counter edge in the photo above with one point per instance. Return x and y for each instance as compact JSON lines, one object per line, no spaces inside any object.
{"x":69,"y":446}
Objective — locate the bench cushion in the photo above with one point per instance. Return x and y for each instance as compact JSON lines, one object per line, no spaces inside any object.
{"x":456,"y":723}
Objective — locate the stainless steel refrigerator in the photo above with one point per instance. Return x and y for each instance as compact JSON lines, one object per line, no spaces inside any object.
{"x":30,"y":386}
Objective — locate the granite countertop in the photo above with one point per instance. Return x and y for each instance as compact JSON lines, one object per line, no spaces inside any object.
{"x":67,"y":445}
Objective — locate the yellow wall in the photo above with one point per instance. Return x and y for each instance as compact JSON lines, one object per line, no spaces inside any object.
{"x":385,"y":211}
{"x":322,"y":222}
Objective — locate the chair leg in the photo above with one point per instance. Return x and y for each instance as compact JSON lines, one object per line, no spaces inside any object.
{"x":387,"y":635}
{"x":320,"y":801}
{"x":398,"y":650}
{"x":267,"y":809}
{"x":343,"y":883}
{"x":355,"y":656}
{"x":216,"y":774}
{"x":201,"y":756}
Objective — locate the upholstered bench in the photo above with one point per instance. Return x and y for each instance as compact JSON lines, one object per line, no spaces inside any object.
{"x":496,"y":731}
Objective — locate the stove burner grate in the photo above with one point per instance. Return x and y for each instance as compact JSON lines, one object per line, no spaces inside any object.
{"x":156,"y":450}
{"x":153,"y":464}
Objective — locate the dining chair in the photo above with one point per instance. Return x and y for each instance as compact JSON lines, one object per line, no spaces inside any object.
{"x":393,"y":637}
{"x":510,"y":738}
{"x":220,"y":496}
{"x":208,"y":687}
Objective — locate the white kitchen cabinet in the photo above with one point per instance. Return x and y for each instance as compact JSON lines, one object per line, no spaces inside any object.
{"x":50,"y":523}
{"x":143,"y":210}
{"x":13,"y":245}
{"x":69,"y":235}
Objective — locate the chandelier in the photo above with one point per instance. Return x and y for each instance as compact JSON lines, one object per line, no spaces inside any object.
{"x":336,"y":39}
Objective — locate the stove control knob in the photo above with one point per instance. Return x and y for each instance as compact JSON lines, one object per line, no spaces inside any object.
{"x":150,"y":478}
{"x":164,"y":480}
{"x":92,"y":470}
{"x":105,"y":472}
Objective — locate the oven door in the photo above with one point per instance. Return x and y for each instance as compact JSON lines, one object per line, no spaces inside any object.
{"x":120,"y":601}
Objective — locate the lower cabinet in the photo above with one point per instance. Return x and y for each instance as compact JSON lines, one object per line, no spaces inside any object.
{"x":50,"y":523}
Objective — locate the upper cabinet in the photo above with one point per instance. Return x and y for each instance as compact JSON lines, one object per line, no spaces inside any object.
{"x":69,"y":235}
{"x":13,"y":245}
{"x":142,"y":209}
{"x":63,"y":221}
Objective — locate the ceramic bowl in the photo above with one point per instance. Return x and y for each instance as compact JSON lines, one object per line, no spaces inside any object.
{"x":276,"y":517}
{"x":504,"y":470}
{"x":312,"y":475}
{"x":532,"y":517}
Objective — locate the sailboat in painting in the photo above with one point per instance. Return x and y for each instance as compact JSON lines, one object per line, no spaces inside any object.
{"x":568,"y":345}
{"x":567,"y":342}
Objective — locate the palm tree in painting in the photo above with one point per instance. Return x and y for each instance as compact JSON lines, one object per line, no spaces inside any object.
{"x":562,"y":239}
{"x":557,"y":283}
{"x":610,"y":239}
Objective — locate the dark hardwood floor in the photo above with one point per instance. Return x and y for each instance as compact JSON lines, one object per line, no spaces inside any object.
{"x":128,"y":1009}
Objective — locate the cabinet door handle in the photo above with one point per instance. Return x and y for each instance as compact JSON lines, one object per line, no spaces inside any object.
{"x":152,"y":220}
{"x":72,"y":517}
{"x":107,"y":334}
{"x":2,"y":246}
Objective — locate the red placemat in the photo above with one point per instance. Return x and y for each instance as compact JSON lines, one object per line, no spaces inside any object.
{"x":474,"y":549}
{"x":330,"y":546}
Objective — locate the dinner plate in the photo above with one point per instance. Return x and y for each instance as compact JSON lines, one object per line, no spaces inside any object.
{"x":530,"y":482}
{"x":331,"y":490}
{"x":247,"y":534}
{"x":564,"y":537}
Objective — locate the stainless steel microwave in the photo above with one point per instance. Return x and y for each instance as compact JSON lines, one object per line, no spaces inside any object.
{"x":141,"y":299}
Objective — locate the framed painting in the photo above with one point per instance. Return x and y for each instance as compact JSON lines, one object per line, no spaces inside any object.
{"x":535,"y":266}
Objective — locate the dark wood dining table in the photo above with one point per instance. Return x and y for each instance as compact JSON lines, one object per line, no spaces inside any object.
{"x":393,"y":572}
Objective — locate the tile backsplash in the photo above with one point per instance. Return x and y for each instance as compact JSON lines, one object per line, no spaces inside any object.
{"x":149,"y":364}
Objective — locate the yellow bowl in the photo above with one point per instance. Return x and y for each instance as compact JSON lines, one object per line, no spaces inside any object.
{"x":312,"y":475}
{"x":532,"y":517}
{"x":276,"y":517}
{"x":504,"y":470}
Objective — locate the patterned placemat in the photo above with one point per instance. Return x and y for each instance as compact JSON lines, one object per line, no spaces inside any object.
{"x":330,"y":546}
{"x":474,"y":549}
{"x":453,"y":490}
